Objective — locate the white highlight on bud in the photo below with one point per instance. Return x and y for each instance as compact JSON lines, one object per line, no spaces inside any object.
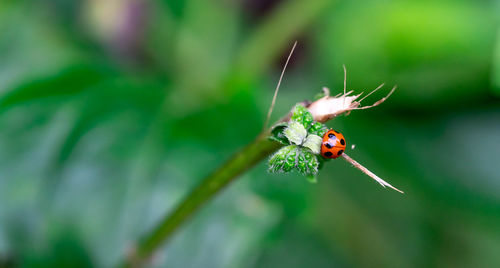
{"x":295,"y":132}
{"x":313,"y":142}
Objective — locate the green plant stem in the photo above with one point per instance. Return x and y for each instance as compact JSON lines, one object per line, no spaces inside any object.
{"x":252,"y":154}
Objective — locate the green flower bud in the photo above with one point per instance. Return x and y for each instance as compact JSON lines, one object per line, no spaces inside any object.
{"x":312,"y":163}
{"x":288,"y":167}
{"x":302,"y":115}
{"x":318,"y":128}
{"x":308,"y":120}
{"x":283,"y":160}
{"x":294,"y":157}
{"x":305,"y":138}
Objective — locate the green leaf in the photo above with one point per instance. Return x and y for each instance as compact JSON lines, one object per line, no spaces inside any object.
{"x":68,"y":82}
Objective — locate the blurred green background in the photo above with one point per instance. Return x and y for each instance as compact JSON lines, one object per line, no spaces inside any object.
{"x":111,"y":111}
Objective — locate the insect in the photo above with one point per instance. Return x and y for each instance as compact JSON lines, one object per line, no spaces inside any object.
{"x":333,"y":144}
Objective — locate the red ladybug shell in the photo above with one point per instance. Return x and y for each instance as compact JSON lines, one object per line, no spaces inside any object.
{"x":333,"y":144}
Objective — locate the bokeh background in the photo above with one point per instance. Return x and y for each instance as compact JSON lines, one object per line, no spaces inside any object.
{"x":111,"y":111}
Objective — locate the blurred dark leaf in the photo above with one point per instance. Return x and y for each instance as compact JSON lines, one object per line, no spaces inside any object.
{"x":68,"y":82}
{"x":66,"y":250}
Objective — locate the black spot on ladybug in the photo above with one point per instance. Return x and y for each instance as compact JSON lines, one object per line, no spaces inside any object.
{"x":342,"y":141}
{"x":340,"y":152}
{"x":328,"y":145}
{"x":331,"y":135}
{"x":328,"y":154}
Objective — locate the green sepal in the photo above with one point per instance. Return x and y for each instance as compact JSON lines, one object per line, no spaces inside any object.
{"x":277,"y":133}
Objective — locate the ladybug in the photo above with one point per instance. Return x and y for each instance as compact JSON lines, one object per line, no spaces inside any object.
{"x":333,"y":144}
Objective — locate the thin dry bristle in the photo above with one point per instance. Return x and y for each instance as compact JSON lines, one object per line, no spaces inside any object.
{"x":345,"y":83}
{"x":381,"y":85}
{"x":386,"y":97}
{"x":345,"y":78}
{"x":326,"y":91}
{"x":369,"y":173}
{"x":278,"y":86}
{"x":377,"y":102}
